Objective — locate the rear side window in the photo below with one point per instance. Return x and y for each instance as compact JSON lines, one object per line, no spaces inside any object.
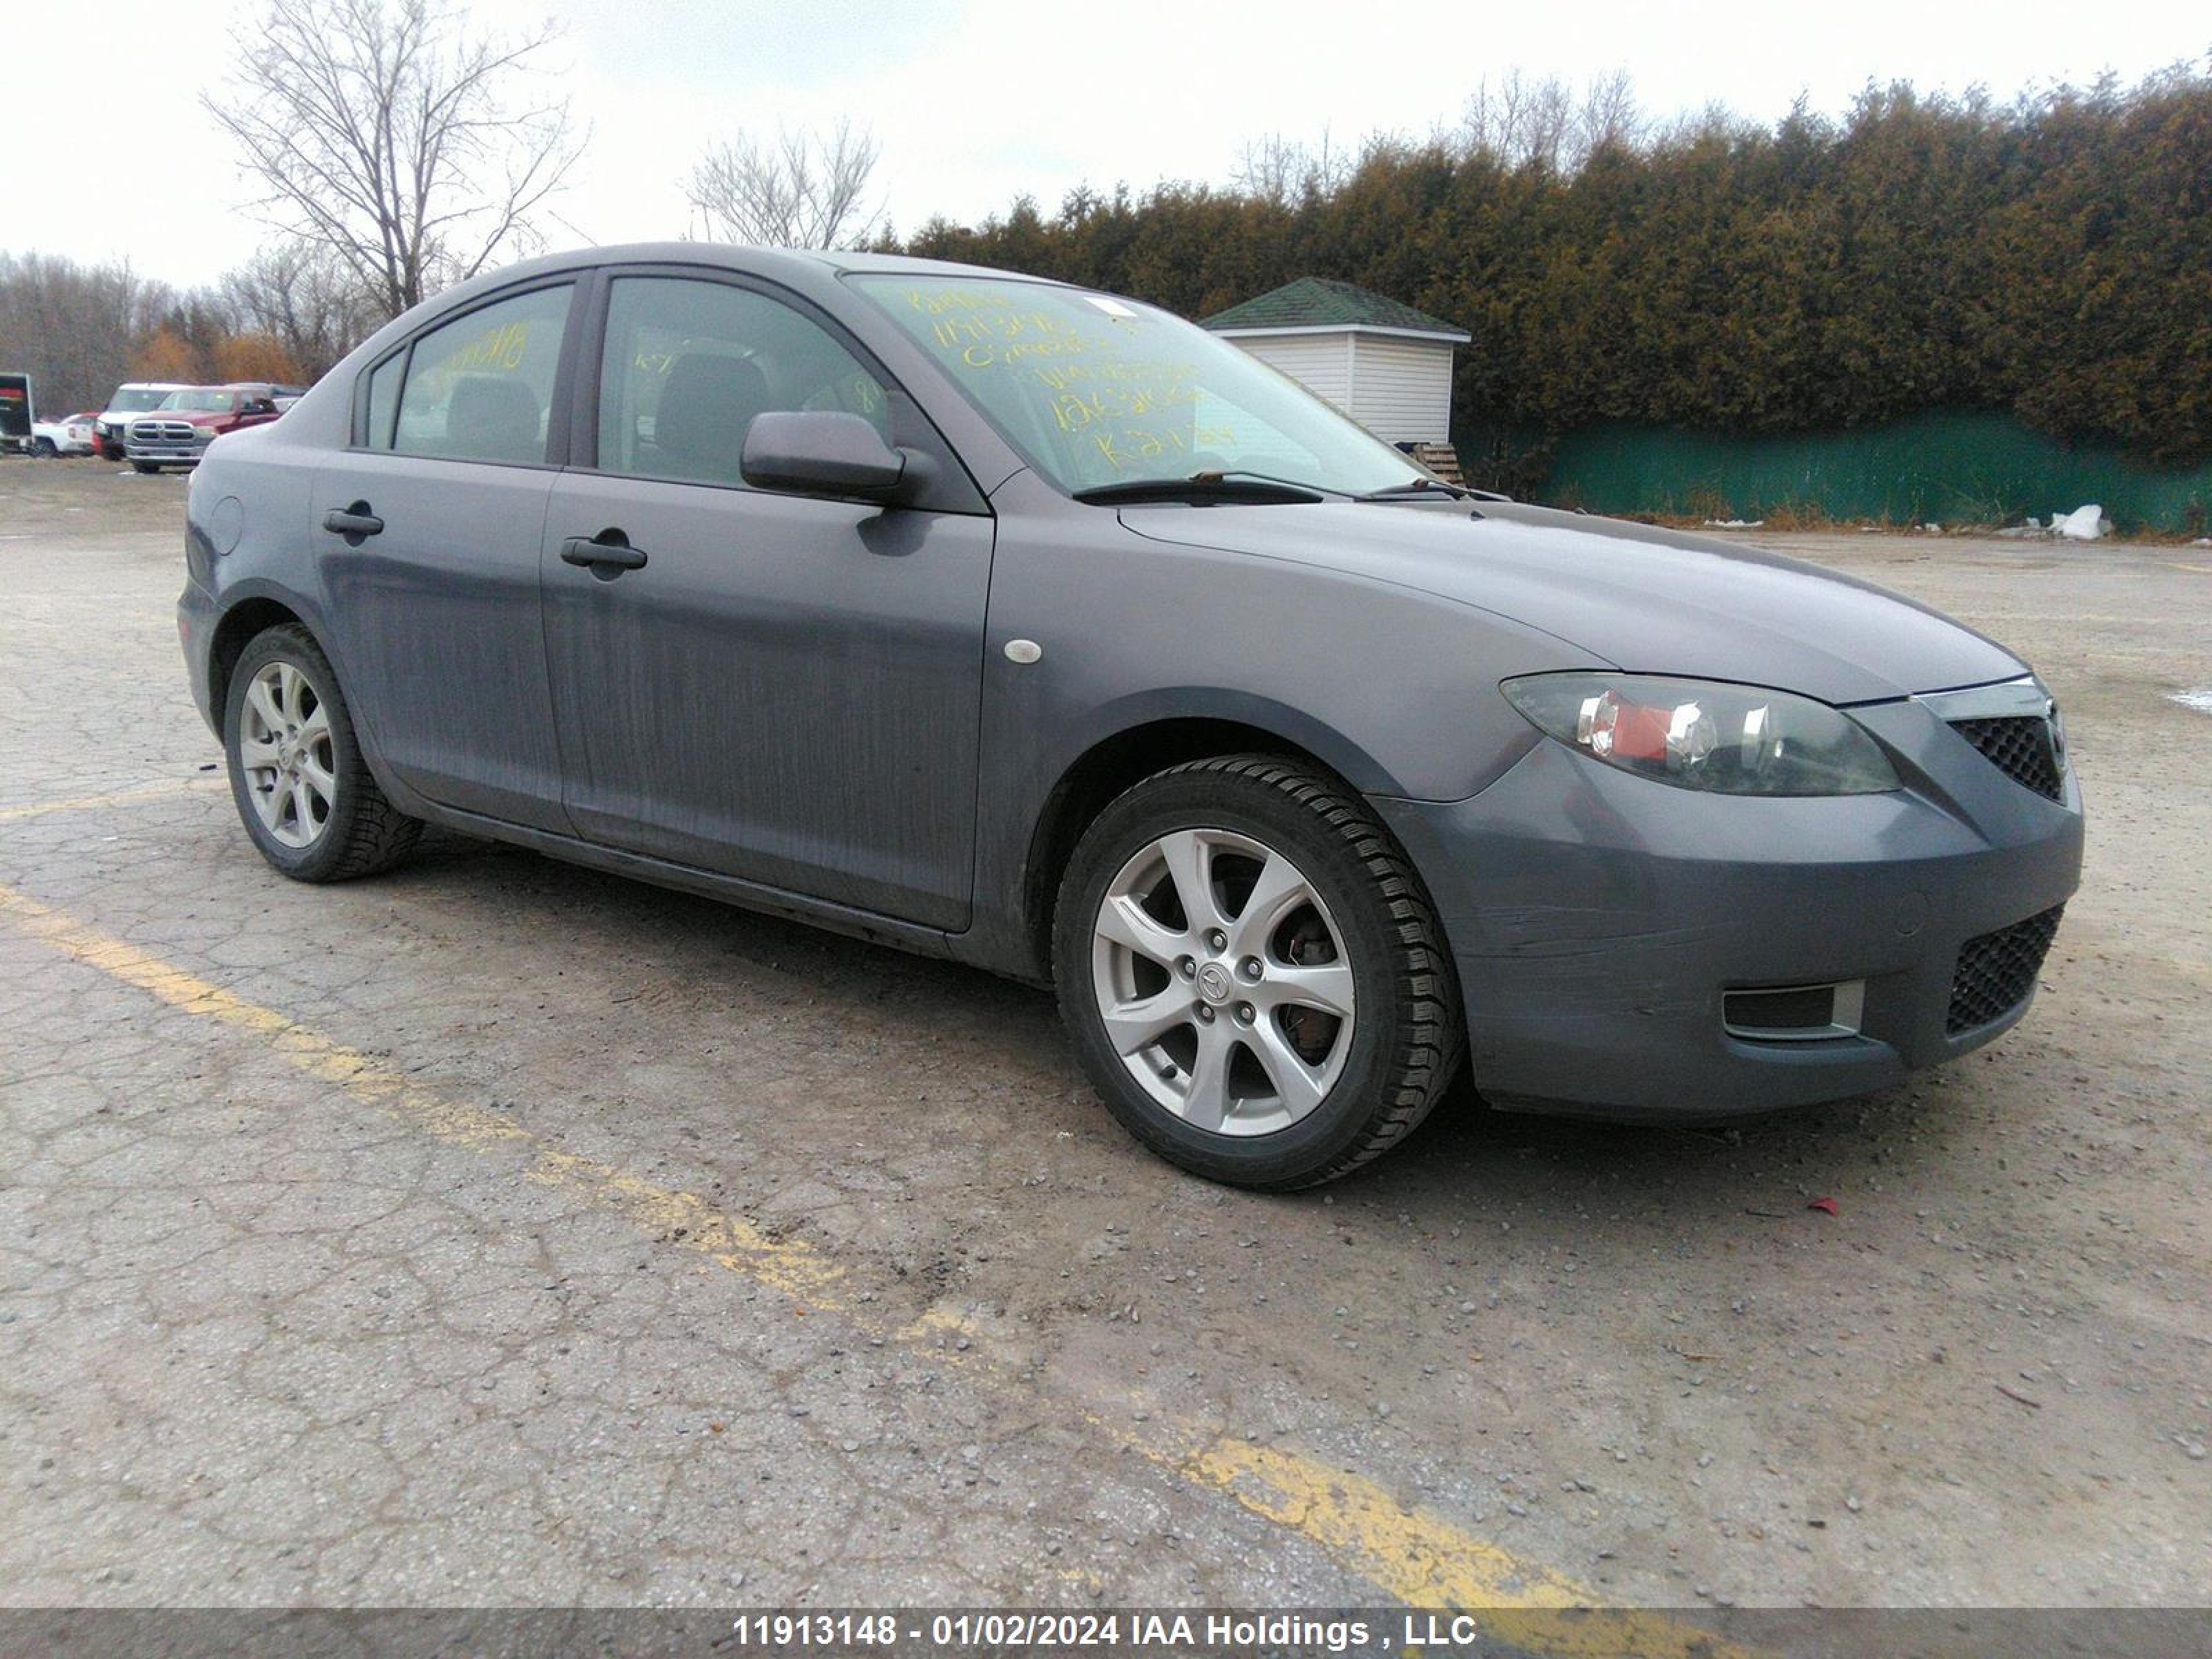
{"x":480,"y":387}
{"x":384,"y":400}
{"x":689,"y":364}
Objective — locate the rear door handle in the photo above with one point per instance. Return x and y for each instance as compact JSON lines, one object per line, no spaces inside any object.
{"x":607,"y":554}
{"x":356,"y":523}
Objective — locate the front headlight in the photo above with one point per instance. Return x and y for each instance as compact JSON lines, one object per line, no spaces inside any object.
{"x":1702,"y":734}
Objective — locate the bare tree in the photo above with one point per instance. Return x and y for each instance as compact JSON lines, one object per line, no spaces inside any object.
{"x":1524,"y":121}
{"x":73,"y":327}
{"x":1281,"y":170}
{"x":382,"y":131}
{"x":802,"y":190}
{"x":307,"y":298}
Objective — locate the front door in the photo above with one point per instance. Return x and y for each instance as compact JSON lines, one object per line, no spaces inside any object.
{"x":774,"y":687}
{"x":427,"y":537}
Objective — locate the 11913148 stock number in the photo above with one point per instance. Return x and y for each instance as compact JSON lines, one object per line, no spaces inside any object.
{"x":942,"y":1630}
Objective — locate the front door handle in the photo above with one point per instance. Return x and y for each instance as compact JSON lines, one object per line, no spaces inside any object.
{"x":356,"y":523}
{"x":607,"y":555}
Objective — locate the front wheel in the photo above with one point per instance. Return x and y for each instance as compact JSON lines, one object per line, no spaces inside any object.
{"x":146,"y":466}
{"x":306,"y":795}
{"x":1253,"y":975}
{"x":44,"y":449}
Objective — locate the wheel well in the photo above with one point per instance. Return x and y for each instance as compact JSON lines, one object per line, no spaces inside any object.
{"x":237,"y":630}
{"x":1104,"y":772}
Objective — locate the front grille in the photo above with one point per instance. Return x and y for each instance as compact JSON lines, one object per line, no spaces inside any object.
{"x":163,"y":432}
{"x":2018,"y":745}
{"x":1996,"y":971}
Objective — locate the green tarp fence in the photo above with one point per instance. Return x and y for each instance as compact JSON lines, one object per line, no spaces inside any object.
{"x":1953,"y":469}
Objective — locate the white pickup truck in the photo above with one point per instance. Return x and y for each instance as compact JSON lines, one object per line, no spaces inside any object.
{"x":64,"y":434}
{"x":132,"y":399}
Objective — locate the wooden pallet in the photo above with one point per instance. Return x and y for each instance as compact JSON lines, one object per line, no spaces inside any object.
{"x":1441,"y":459}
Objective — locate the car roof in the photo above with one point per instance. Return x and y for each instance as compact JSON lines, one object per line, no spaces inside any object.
{"x":784,"y":262}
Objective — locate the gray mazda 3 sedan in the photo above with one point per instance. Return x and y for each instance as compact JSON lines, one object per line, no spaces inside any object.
{"x":1035,"y":628}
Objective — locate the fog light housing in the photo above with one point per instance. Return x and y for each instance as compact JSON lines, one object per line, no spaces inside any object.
{"x":1794,"y":1013}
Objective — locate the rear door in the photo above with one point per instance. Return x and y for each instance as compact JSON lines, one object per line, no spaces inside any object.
{"x":435,"y":610}
{"x":782,"y":688}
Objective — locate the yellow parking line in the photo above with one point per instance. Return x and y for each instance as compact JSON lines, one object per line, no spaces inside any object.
{"x":119,"y":798}
{"x":1417,"y":1557}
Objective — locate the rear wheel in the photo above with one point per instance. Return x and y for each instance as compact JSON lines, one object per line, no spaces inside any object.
{"x":304,"y":792}
{"x":1253,"y":975}
{"x":44,"y":448}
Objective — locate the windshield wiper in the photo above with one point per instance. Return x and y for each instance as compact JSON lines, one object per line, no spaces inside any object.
{"x":1211,"y":475}
{"x":1418,"y":488}
{"x":1207,"y":486}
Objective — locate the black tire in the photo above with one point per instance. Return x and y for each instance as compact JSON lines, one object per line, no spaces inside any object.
{"x":44,"y":449}
{"x":1409,"y":1034}
{"x":364,"y":833}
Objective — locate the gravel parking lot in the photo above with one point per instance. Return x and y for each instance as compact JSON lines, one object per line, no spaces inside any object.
{"x":500,"y":1233}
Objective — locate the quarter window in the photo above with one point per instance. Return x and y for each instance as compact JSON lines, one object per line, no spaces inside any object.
{"x":687,"y":365}
{"x":479,"y":388}
{"x":384,"y":399}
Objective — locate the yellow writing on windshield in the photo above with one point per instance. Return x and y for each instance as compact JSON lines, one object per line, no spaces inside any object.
{"x":1092,"y":375}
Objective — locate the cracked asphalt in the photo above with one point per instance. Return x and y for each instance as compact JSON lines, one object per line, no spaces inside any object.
{"x":500,"y":1233}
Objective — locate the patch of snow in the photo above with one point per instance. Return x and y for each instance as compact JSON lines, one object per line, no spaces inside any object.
{"x":2199,"y":698}
{"x":2084,"y":524}
{"x":2202,"y":541}
{"x":1734,"y":524}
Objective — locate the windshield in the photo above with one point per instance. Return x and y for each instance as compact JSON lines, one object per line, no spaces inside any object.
{"x":1095,"y":390}
{"x":136,"y":399}
{"x":200,"y":400}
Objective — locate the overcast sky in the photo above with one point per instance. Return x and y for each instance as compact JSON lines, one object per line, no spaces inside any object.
{"x":109,"y":155}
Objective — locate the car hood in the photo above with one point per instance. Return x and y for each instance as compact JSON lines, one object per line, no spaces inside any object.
{"x":1633,"y":597}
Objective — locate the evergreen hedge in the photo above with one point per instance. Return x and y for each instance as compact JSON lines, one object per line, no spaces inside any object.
{"x":2050,"y":256}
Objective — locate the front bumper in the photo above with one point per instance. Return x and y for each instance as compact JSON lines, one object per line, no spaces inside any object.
{"x":1598,"y":919}
{"x":166,"y":454}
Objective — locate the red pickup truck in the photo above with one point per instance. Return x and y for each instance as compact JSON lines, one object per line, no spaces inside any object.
{"x":176,"y":431}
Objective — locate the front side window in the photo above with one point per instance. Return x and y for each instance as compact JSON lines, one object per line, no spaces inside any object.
{"x":480,"y":387}
{"x":1095,"y":390}
{"x":689,"y":363}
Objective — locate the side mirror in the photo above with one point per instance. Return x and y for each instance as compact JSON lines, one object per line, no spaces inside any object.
{"x":810,"y":452}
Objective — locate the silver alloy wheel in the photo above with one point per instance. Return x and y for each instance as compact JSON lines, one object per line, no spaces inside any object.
{"x":284,"y":746}
{"x":1223,"y":982}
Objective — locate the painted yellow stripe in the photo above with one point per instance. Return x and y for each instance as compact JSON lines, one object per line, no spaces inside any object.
{"x":679,"y":1218}
{"x":1417,"y":1557}
{"x":37,"y":809}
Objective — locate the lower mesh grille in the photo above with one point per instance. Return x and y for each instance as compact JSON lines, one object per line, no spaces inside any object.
{"x":2018,"y":745}
{"x":1996,"y":971}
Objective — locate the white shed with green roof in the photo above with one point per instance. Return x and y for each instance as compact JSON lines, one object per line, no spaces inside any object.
{"x":1384,"y":363}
